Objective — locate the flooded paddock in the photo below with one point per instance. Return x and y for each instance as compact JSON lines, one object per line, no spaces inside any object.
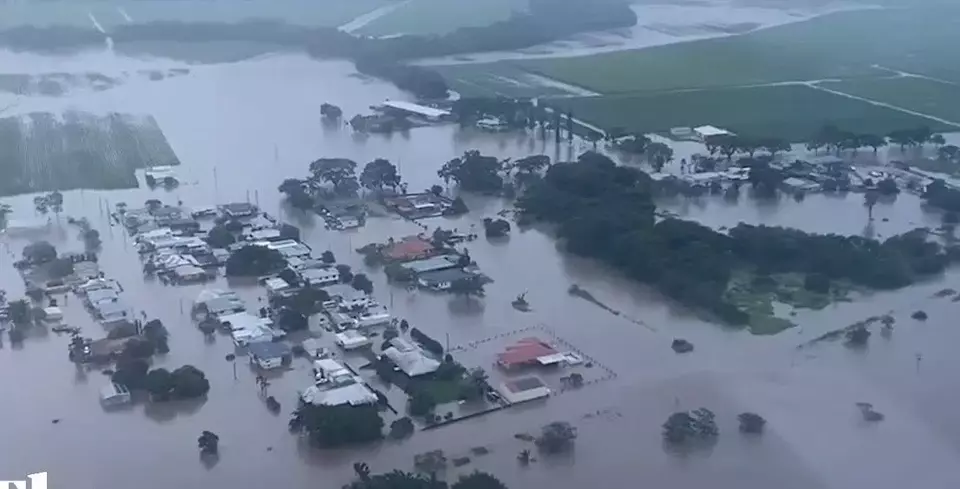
{"x":239,"y":130}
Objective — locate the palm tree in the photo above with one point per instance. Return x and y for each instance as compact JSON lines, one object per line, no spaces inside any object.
{"x":362,"y":470}
{"x":5,"y":210}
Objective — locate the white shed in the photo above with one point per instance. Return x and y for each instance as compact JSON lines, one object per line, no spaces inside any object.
{"x":703,"y":132}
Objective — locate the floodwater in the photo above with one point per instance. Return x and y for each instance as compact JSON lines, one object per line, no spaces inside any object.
{"x":660,"y":24}
{"x":239,"y":129}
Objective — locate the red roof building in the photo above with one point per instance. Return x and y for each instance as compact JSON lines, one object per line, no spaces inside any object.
{"x":409,"y":248}
{"x":524,"y":352}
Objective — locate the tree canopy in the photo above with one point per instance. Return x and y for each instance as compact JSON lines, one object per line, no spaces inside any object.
{"x":254,"y":261}
{"x":335,"y":426}
{"x":474,"y":172}
{"x":39,"y":252}
{"x":606,"y":212}
{"x":379,"y":173}
{"x":339,"y":172}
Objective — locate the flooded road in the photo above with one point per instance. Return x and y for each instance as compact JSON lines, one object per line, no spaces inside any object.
{"x":252,"y":128}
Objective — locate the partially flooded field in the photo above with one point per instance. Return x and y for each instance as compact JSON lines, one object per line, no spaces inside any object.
{"x":45,"y":151}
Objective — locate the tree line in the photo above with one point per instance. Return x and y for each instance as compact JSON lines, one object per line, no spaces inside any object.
{"x":544,"y":21}
{"x":605,"y":211}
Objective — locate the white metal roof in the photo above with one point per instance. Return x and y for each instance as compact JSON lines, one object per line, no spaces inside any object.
{"x":415,"y":108}
{"x":354,"y":394}
{"x":705,"y":131}
{"x":409,"y":358}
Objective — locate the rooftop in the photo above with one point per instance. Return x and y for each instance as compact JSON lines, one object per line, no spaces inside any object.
{"x":451,"y":275}
{"x":705,"y":131}
{"x":432,"y":264}
{"x":409,"y":248}
{"x":524,"y":384}
{"x":524,"y":351}
{"x":415,"y":108}
{"x":344,"y":292}
{"x":411,"y":359}
{"x":354,"y":394}
{"x":268,"y":349}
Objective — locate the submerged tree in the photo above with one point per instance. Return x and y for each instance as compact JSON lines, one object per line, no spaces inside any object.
{"x":209,"y":443}
{"x":751,"y":423}
{"x":379,"y":173}
{"x":474,"y":172}
{"x":556,"y":437}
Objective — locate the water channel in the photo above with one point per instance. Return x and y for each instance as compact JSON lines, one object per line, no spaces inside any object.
{"x":239,"y":129}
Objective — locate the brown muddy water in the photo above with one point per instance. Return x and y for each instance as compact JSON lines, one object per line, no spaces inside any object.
{"x":257,"y":122}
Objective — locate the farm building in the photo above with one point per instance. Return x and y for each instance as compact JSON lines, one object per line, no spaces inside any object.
{"x":703,"y":132}
{"x":526,"y":352}
{"x":408,"y":108}
{"x":523,"y":390}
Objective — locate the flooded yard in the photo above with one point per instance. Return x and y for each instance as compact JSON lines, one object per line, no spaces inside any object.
{"x":239,"y":130}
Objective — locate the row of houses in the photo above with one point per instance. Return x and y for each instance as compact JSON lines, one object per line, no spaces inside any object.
{"x":429,"y":266}
{"x":102,"y":297}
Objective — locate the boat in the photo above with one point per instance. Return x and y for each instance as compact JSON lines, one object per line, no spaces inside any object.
{"x":520,"y":303}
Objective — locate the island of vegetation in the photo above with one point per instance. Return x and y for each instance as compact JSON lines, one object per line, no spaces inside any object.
{"x":605,"y":211}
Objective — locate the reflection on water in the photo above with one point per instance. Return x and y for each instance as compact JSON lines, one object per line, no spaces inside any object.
{"x":250,"y":127}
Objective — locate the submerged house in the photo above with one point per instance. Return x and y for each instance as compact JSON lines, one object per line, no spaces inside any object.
{"x":269,"y":355}
{"x":409,"y":358}
{"x":238,"y":210}
{"x":442,"y":279}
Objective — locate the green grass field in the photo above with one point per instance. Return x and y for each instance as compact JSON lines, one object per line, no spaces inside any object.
{"x":917,"y":94}
{"x":792,"y":112}
{"x":845,"y":45}
{"x":441,"y":16}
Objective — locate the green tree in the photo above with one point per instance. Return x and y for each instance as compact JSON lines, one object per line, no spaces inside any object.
{"x":474,"y":172}
{"x":751,"y":423}
{"x":421,"y":403}
{"x":659,"y":154}
{"x":467,"y":287}
{"x":159,"y":383}
{"x":478,"y":480}
{"x":60,"y":267}
{"x":254,"y":261}
{"x":401,"y":428}
{"x":556,"y":437}
{"x":874,"y":141}
{"x":949,"y":152}
{"x":337,"y":171}
{"x":362,"y":282}
{"x":774,"y":145}
{"x":378,"y":174}
{"x":336,"y":426}
{"x":296,"y":193}
{"x":209,"y":443}
{"x":131,"y":373}
{"x":219,"y":237}
{"x":39,"y":252}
